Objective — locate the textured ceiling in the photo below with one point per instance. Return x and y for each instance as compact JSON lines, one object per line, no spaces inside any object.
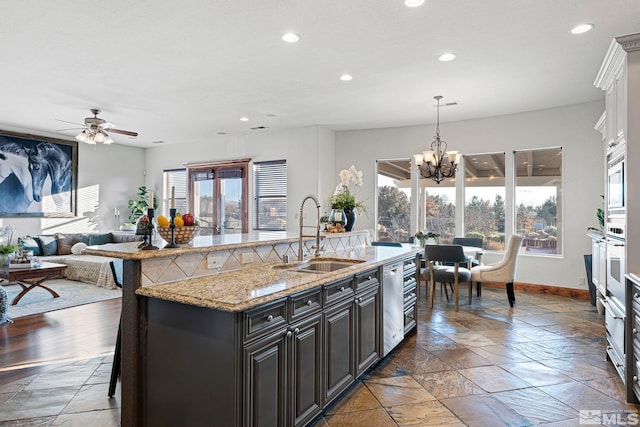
{"x":183,"y":71}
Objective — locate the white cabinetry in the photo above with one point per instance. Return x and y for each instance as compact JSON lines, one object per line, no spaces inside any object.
{"x":619,"y":76}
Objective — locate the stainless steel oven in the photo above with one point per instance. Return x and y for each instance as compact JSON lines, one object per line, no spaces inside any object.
{"x":616,"y":262}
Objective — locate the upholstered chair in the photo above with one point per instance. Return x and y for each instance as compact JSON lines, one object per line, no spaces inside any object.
{"x":436,"y":256}
{"x":503,"y":271}
{"x":476,"y":260}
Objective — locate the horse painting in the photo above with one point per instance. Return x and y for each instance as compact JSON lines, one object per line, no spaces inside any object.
{"x":37,"y":176}
{"x":15,"y":179}
{"x":46,"y":159}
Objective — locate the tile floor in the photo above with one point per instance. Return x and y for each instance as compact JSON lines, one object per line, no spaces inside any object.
{"x":487,"y":365}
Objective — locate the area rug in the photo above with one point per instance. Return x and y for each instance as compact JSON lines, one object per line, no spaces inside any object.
{"x":72,"y":293}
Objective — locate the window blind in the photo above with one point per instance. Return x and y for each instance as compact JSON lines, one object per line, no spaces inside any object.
{"x":270,"y":195}
{"x":175,"y":178}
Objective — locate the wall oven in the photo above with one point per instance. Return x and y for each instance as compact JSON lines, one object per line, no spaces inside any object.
{"x":616,"y":205}
{"x":616,"y":263}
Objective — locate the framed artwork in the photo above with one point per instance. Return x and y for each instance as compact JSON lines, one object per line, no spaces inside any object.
{"x":38,"y":176}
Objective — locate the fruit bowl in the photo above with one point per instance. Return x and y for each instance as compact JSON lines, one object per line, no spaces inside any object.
{"x":180,"y":234}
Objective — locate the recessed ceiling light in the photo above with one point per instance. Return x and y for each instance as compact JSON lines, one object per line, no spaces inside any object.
{"x":244,"y":119}
{"x":346,"y":77}
{"x":291,"y":37}
{"x":582,"y":28}
{"x":413,"y":3}
{"x":270,"y":115}
{"x":446,"y":57}
{"x":221,"y":133}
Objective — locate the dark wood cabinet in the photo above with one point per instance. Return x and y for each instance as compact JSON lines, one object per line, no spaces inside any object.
{"x":367,"y":323}
{"x":265,"y":366}
{"x":305,"y":370}
{"x":339,"y":343}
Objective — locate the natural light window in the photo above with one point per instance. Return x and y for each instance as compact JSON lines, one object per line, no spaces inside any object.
{"x":538,"y":200}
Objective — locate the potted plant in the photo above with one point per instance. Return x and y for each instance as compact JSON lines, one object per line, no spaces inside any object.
{"x":428,"y":237}
{"x":344,"y":199}
{"x":5,"y":251}
{"x":138,"y":207}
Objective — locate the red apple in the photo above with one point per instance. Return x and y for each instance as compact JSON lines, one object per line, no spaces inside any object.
{"x":188,"y":219}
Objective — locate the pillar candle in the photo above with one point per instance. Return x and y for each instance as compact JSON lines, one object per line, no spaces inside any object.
{"x":173,"y":197}
{"x":150,"y":200}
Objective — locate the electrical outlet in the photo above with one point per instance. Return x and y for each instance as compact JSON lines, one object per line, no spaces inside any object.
{"x":246,"y":258}
{"x":582,"y":281}
{"x":214,"y":262}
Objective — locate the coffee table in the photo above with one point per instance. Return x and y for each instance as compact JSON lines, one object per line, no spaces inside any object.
{"x":32,"y":277}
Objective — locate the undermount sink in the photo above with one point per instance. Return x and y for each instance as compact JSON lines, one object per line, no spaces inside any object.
{"x":327,"y":265}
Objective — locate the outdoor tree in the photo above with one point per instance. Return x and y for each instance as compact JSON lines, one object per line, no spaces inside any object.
{"x":499,"y":212}
{"x":479,"y":216}
{"x":548,"y":211}
{"x":394,"y":210}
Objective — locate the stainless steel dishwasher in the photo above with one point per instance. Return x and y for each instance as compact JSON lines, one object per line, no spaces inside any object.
{"x":392,"y":305}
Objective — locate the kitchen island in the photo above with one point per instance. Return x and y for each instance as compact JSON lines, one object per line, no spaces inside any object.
{"x":264,"y":344}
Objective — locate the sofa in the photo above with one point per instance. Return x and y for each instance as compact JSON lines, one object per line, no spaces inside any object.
{"x":66,"y":248}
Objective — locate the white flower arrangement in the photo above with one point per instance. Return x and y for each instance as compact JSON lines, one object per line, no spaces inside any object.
{"x":342,"y":197}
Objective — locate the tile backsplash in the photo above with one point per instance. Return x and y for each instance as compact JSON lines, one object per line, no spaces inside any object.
{"x":194,"y":264}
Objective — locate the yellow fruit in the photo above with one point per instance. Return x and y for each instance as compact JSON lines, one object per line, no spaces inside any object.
{"x":179,"y":222}
{"x":163,"y":221}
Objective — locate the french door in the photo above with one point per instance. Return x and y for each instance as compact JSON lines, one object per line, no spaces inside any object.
{"x":218,"y":195}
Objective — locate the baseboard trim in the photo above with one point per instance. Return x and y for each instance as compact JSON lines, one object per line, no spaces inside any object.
{"x":544,"y":289}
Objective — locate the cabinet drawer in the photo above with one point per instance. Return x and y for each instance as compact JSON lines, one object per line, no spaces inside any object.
{"x":338,"y":291}
{"x":410,"y":298}
{"x":263,"y":319}
{"x":305,"y":303}
{"x":409,"y":267}
{"x":367,"y":279}
{"x":409,"y":318}
{"x":409,"y":285}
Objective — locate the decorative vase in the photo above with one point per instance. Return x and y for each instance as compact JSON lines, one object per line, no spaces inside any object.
{"x":351,"y":218}
{"x":338,"y":216}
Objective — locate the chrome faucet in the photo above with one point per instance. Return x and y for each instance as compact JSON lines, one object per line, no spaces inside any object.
{"x":317,"y":236}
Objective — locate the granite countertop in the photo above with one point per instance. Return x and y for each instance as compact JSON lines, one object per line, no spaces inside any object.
{"x":130,"y":250}
{"x":250,"y":287}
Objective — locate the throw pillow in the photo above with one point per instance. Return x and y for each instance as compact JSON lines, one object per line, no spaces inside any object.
{"x":67,"y":240}
{"x":100,"y":239}
{"x":28,"y":243}
{"x":49,"y":245}
{"x":78,"y":248}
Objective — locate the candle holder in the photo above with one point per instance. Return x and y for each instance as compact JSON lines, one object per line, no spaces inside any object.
{"x":149,"y":232}
{"x":172,"y":226}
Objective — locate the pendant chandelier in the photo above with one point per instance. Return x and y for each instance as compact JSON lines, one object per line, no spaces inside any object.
{"x":437,"y":163}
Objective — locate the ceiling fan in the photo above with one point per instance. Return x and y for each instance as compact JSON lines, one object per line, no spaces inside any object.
{"x":94,"y":130}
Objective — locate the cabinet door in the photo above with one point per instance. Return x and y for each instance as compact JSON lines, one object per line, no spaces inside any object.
{"x":602,"y":268}
{"x":264,"y":381}
{"x":367,"y":336}
{"x":305,"y":369}
{"x":338,"y":348}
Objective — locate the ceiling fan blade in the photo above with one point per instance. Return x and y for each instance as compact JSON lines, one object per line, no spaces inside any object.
{"x":63,"y":130}
{"x":123,"y":132}
{"x":73,"y":123}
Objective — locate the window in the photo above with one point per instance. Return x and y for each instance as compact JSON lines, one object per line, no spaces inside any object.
{"x":440,"y":209}
{"x":484,"y":208}
{"x":394,"y":202}
{"x":218,"y":196}
{"x":538,"y":199}
{"x":176,"y":178}
{"x":270,"y":193}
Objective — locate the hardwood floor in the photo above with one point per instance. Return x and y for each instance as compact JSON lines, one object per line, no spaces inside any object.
{"x":35,"y":343}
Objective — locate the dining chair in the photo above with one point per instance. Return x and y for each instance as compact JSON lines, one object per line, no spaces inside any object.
{"x":476,"y":260}
{"x":503,"y":271}
{"x":381,"y":243}
{"x":436,"y":256}
{"x":116,"y":270}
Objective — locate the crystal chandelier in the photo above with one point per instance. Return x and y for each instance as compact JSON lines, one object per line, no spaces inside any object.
{"x":437,"y":163}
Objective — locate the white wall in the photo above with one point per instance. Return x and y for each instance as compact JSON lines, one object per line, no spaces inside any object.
{"x":108,"y":176}
{"x":570,"y":127}
{"x":308,"y":152}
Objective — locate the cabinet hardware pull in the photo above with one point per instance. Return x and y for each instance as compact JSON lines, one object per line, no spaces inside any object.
{"x":289,"y":333}
{"x":359,"y":300}
{"x":369,"y":278}
{"x":309,"y":302}
{"x":634,"y":330}
{"x":637,"y":295}
{"x":635,"y":378}
{"x":412,"y":316}
{"x":296,"y":330}
{"x":341,"y":288}
{"x":609,"y":347}
{"x":269,"y":318}
{"x":618,"y":317}
{"x":618,"y":365}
